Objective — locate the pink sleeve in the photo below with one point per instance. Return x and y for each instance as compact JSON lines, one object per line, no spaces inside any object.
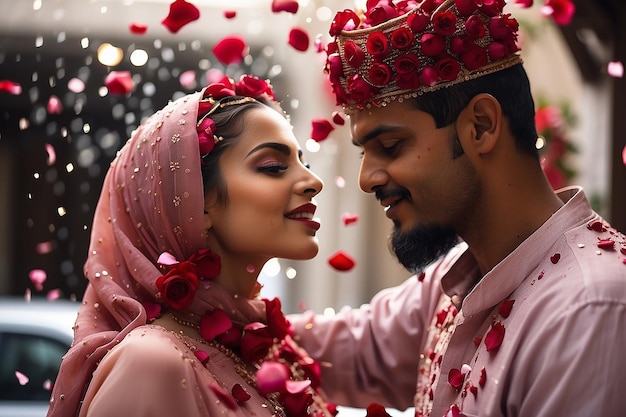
{"x":371,"y":353}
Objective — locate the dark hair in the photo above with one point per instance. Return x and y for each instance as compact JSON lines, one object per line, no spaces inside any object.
{"x":229,"y":124}
{"x":510,"y":87}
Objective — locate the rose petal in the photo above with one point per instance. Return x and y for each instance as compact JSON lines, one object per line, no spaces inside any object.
{"x":349,"y":218}
{"x":455,"y":378}
{"x":289,"y":6}
{"x":188,"y":79}
{"x":76,"y":85}
{"x":606,"y":244}
{"x":53,"y":294}
{"x":47,"y":385}
{"x":21,"y":378}
{"x":338,"y":118}
{"x":153,"y":310}
{"x":10,"y":87}
{"x":240,"y":394}
{"x":494,"y":337}
{"x":341,"y":261}
{"x":214,"y":323}
{"x":137,"y":28}
{"x":230,"y":14}
{"x":555,"y":258}
{"x":506,"y":307}
{"x":271,"y":377}
{"x":181,"y":13}
{"x":298,"y":39}
{"x":483,"y":377}
{"x":230,"y":50}
{"x":44,"y":247}
{"x":119,"y":82}
{"x":320,"y":129}
{"x":615,"y":69}
{"x":523,"y":3}
{"x":223,"y":396}
{"x":52,"y":155}
{"x":318,"y":45}
{"x":167,"y":259}
{"x":376,"y":410}
{"x":54,"y":105}
{"x":296,"y":387}
{"x":38,"y":277}
{"x":201,"y":355}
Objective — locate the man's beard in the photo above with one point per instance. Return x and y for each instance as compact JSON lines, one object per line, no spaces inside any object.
{"x":422,"y":245}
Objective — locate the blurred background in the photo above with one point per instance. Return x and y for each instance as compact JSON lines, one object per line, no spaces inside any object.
{"x":61,"y":131}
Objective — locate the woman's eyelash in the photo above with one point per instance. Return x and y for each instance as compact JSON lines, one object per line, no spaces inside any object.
{"x":274,"y":169}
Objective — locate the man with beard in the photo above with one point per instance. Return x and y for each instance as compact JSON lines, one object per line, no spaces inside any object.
{"x":518,"y":304}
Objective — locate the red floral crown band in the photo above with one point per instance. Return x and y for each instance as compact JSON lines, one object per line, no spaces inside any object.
{"x":399,"y":51}
{"x":217,"y":96}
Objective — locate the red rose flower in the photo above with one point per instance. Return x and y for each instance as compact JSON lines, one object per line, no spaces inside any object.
{"x":255,"y":342}
{"x":494,"y":337}
{"x":406,"y":64}
{"x":430,"y":76}
{"x":344,"y":20}
{"x":497,"y":51}
{"x":251,"y":86}
{"x":475,"y":27}
{"x":381,"y":13}
{"x":430,"y":5}
{"x":207,"y":262}
{"x":206,"y":130}
{"x":448,"y":68}
{"x":230,"y":50}
{"x":178,"y":287}
{"x":465,"y":7}
{"x":432,"y":44}
{"x":379,"y":74}
{"x":359,"y":89}
{"x":353,"y":53}
{"x":296,"y":404}
{"x":341,"y":97}
{"x":418,"y":21}
{"x":402,"y":38}
{"x":492,"y":7}
{"x":181,"y":13}
{"x":500,"y":28}
{"x":377,"y":44}
{"x":474,"y":58}
{"x":276,"y":321}
{"x":334,"y":67}
{"x":219,"y":90}
{"x":444,"y":23}
{"x":409,"y":81}
{"x":299,"y":39}
{"x":460,"y":44}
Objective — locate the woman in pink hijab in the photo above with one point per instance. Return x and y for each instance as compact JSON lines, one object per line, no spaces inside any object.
{"x":203,"y":194}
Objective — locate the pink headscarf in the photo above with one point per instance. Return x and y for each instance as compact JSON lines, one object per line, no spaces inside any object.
{"x":152,"y":202}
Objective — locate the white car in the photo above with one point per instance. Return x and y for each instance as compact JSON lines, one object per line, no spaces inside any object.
{"x":33,"y":337}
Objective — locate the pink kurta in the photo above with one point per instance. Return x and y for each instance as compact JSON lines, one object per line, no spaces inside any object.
{"x":562,"y":337}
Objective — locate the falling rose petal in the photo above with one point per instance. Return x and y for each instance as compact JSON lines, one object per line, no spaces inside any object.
{"x":455,"y":378}
{"x":494,"y":337}
{"x":137,"y":28}
{"x":153,"y":310}
{"x":296,"y":387}
{"x":615,"y":69}
{"x":188,"y":80}
{"x":555,"y":258}
{"x":341,"y":261}
{"x":181,"y":13}
{"x":340,"y":182}
{"x":201,"y":355}
{"x":240,"y":394}
{"x":506,"y":307}
{"x":606,"y":244}
{"x":453,"y":411}
{"x":338,"y":118}
{"x":230,"y":14}
{"x":167,"y":259}
{"x":477,"y":341}
{"x":52,"y":155}
{"x":119,"y":82}
{"x":349,"y":218}
{"x":76,"y":85}
{"x":38,"y":277}
{"x":561,"y":11}
{"x":47,"y":385}
{"x":271,"y":377}
{"x":223,"y":396}
{"x":483,"y":377}
{"x":230,"y":50}
{"x":289,"y":6}
{"x":474,"y":390}
{"x":21,"y":378}
{"x":523,"y":3}
{"x":54,"y":294}
{"x":421,"y":276}
{"x":10,"y":87}
{"x":54,"y":105}
{"x":299,"y":39}
{"x":320,"y":129}
{"x":318,"y":45}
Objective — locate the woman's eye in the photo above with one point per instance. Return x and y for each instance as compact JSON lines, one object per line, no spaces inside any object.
{"x":272,"y":169}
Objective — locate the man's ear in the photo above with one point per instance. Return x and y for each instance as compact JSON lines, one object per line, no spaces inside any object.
{"x":480,"y":124}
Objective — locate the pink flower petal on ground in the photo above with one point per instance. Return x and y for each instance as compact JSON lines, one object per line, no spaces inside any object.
{"x":230,"y":14}
{"x":10,"y":87}
{"x":338,"y":118}
{"x":153,"y":310}
{"x":38,"y":277}
{"x":615,"y":69}
{"x":494,"y":337}
{"x":349,"y":218}
{"x":240,"y":394}
{"x":230,"y":50}
{"x":341,"y":261}
{"x":299,"y":39}
{"x":606,"y":244}
{"x":119,"y":82}
{"x":202,"y":356}
{"x":52,"y":155}
{"x":214,"y":323}
{"x":138,"y":28}
{"x":272,"y":377}
{"x":483,"y":377}
{"x":506,"y":307}
{"x":223,"y":396}
{"x":555,"y":258}
{"x":21,"y":378}
{"x":455,"y":378}
{"x":181,"y":13}
{"x":54,"y":105}
{"x":289,"y":6}
{"x":167,"y":259}
{"x":54,"y":294}
{"x":320,"y":129}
